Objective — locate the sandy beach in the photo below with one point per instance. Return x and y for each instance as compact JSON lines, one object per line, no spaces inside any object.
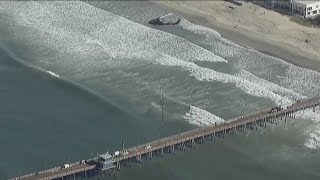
{"x":93,"y":76}
{"x":253,"y":26}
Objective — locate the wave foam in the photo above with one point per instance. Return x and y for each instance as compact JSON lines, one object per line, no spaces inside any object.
{"x":200,"y":117}
{"x":313,"y":142}
{"x":80,"y":28}
{"x":287,"y":77}
{"x":187,"y":25}
{"x":84,"y":37}
{"x":53,"y":74}
{"x":250,"y":85}
{"x":288,"y":93}
{"x":309,"y":114}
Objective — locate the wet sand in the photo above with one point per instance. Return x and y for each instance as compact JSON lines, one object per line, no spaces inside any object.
{"x":258,"y":28}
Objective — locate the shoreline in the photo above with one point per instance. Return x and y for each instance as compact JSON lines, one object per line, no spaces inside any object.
{"x":250,"y":39}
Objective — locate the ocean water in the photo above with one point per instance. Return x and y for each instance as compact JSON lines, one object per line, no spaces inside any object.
{"x":78,"y":77}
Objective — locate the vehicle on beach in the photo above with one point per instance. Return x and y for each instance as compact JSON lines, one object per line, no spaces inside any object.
{"x":65,"y":166}
{"x":148,"y":146}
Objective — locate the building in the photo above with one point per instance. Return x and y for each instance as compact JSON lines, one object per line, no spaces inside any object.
{"x":307,"y":9}
{"x":105,"y":161}
{"x":281,"y":4}
{"x":284,"y":4}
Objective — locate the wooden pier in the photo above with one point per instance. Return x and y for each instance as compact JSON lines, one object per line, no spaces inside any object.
{"x":180,"y":141}
{"x":60,"y":173}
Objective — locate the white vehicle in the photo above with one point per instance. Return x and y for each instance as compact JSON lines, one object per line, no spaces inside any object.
{"x":65,"y":166}
{"x":116,"y":154}
{"x":125,"y":152}
{"x":82,"y":162}
{"x":148,"y":146}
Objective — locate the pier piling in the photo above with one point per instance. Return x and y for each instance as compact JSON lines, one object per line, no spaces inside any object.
{"x":180,"y":140}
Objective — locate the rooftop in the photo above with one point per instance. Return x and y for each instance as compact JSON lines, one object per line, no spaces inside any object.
{"x":105,"y":156}
{"x":306,"y":2}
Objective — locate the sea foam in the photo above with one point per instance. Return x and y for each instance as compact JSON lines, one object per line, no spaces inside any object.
{"x":200,"y":117}
{"x":288,"y":81}
{"x":313,"y":142}
{"x":53,"y":74}
{"x":86,"y":39}
{"x":185,"y":24}
{"x":250,"y":85}
{"x":84,"y":34}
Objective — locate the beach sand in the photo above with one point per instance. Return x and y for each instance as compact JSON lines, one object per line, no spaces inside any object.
{"x":264,"y":30}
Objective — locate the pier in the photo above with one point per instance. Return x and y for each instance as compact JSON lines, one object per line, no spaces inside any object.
{"x":111,"y":163}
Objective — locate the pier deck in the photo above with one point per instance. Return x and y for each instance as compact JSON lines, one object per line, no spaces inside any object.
{"x":56,"y":173}
{"x":187,"y":138}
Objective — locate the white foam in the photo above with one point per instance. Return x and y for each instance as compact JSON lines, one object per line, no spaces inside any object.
{"x":84,"y":37}
{"x":260,"y":87}
{"x":312,"y":130}
{"x":88,"y":40}
{"x":263,"y":65}
{"x":288,"y":93}
{"x":212,"y":38}
{"x":155,"y":105}
{"x":200,"y":117}
{"x":53,"y":74}
{"x":313,"y":142}
{"x":76,"y":28}
{"x":251,"y":87}
{"x":309,"y":114}
{"x":288,"y":83}
{"x":185,"y":24}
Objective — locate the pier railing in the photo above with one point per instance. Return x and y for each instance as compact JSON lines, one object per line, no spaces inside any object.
{"x":182,"y":139}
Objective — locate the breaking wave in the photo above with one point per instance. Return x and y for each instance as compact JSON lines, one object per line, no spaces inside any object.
{"x":312,"y":131}
{"x":200,"y":117}
{"x":243,"y":80}
{"x":117,"y":36}
{"x":314,"y":138}
{"x":286,"y":82}
{"x":53,"y":74}
{"x":83,"y":44}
